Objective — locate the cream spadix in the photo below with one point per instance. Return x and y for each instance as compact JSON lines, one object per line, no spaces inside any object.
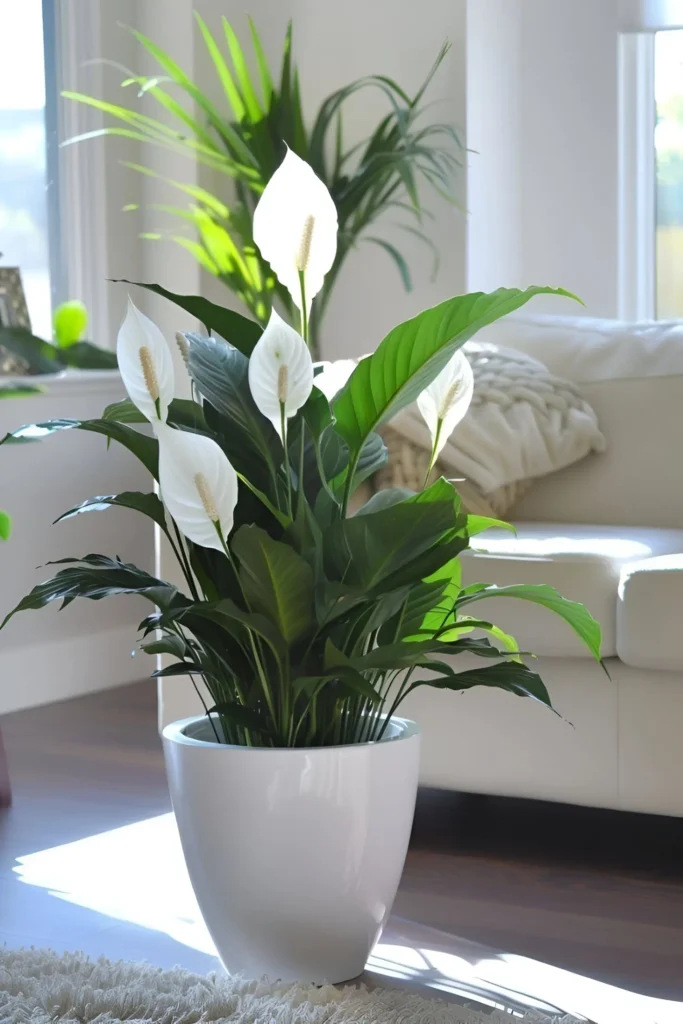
{"x":145,"y":364}
{"x":198,"y":486}
{"x":444,"y":403}
{"x":280,"y":371}
{"x":295,"y":228}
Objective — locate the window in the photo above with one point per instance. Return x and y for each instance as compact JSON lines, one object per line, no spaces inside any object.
{"x":28,"y":192}
{"x":669,"y":165}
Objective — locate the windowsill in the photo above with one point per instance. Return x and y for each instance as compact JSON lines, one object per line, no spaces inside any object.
{"x":69,"y":381}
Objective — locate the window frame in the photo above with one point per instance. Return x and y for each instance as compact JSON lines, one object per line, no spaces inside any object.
{"x":637,"y":196}
{"x":78,"y":247}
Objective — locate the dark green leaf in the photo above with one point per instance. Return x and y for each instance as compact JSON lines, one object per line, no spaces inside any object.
{"x":385,"y":499}
{"x":250,"y":441}
{"x":510,"y":675}
{"x":96,"y":577}
{"x":181,"y":668}
{"x":277,"y":581}
{"x":238,"y":714}
{"x":39,"y":355}
{"x":83,"y":355}
{"x":171,"y":644}
{"x":148,"y":504}
{"x":182,"y":412}
{"x":145,"y":448}
{"x":235,"y":328}
{"x":233,"y":619}
{"x":398,"y":259}
{"x":365,"y":550}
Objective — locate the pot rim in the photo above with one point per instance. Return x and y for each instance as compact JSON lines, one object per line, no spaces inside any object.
{"x":174,"y":732}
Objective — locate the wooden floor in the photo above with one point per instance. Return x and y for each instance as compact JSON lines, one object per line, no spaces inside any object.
{"x":596,"y":893}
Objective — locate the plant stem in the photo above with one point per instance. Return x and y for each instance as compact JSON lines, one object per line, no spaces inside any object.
{"x":254,"y":649}
{"x":283,"y":429}
{"x":182,"y":559}
{"x":432,"y":458}
{"x":350,"y":473}
{"x":304,"y":309}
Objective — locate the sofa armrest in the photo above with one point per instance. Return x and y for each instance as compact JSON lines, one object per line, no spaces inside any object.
{"x":650,"y":613}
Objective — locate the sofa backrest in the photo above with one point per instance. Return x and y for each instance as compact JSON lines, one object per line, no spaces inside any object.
{"x":632,"y":375}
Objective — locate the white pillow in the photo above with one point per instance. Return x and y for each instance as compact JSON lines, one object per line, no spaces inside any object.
{"x":523,"y":422}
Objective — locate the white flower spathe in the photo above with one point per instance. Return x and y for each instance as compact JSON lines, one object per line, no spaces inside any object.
{"x":280,"y":371}
{"x":198,"y":485}
{"x":295,"y":227}
{"x":145,"y":364}
{"x":444,"y":403}
{"x":334,"y":376}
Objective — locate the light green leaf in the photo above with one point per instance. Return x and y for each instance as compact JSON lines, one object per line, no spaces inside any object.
{"x":242,"y":71}
{"x":573,"y":613}
{"x":69,"y":322}
{"x":477,"y":524}
{"x":5,"y":525}
{"x":230,"y":89}
{"x":412,"y":355}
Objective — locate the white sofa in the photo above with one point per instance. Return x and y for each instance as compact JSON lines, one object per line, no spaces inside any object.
{"x":608,"y":531}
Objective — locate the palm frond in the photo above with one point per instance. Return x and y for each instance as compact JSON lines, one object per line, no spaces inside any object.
{"x":243,"y":138}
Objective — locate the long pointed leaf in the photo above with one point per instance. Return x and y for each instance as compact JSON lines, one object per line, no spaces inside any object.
{"x":145,"y":448}
{"x":412,"y":355}
{"x":230,"y":89}
{"x":235,"y":328}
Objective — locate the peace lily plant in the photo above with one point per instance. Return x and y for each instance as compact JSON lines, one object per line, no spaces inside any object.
{"x":307,"y":626}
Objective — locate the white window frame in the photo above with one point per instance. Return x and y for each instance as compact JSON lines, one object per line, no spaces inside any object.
{"x":637,"y":177}
{"x":79,"y":252}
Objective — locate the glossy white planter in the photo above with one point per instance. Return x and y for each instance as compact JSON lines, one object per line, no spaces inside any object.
{"x":294,"y":855}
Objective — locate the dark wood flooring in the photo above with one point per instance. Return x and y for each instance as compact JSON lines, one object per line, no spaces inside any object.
{"x":595,"y":893}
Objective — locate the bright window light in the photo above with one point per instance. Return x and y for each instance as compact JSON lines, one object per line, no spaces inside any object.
{"x":669,"y":164}
{"x":23,"y":171}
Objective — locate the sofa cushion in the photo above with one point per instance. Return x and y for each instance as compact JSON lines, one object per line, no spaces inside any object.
{"x":649,"y":613}
{"x":632,"y":376}
{"x":583,"y":562}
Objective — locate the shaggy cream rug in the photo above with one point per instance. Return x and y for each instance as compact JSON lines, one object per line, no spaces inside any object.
{"x":42,"y":987}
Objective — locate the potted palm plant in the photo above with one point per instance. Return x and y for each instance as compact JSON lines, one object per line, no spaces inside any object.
{"x":237,"y":134}
{"x":303,"y":627}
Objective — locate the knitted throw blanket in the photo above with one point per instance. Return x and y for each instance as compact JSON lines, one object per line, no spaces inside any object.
{"x":523,"y":423}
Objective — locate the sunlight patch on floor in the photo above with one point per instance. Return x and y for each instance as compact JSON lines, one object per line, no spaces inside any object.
{"x":137,"y":874}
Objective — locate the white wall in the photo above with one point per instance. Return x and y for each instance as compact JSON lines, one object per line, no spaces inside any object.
{"x":48,"y":655}
{"x":542,"y":109}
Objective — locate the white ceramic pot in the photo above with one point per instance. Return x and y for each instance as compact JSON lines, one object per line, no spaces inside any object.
{"x":295,"y":855}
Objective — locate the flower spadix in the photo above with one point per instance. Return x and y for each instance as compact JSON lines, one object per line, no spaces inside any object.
{"x":295,"y":228}
{"x":145,"y":364}
{"x":198,"y":485}
{"x":280,"y":371}
{"x":444,"y":403}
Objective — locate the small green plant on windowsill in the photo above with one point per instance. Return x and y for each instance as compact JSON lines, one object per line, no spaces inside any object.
{"x":307,"y":626}
{"x":67,"y":351}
